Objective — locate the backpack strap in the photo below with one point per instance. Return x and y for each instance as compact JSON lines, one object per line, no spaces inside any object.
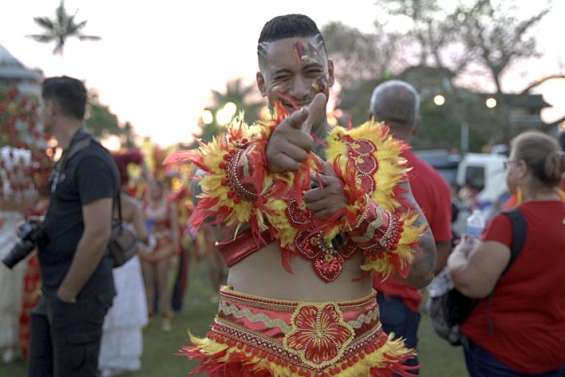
{"x":519,"y":230}
{"x":82,"y":140}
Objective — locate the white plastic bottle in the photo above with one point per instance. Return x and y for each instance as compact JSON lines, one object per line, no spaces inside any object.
{"x":475,"y":224}
{"x":440,"y":284}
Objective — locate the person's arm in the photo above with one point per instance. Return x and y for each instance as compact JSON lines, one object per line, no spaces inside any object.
{"x":91,"y":248}
{"x":137,"y":218}
{"x":443,"y":249}
{"x":422,"y":269}
{"x":440,"y":214}
{"x":475,"y":271}
{"x":97,"y":185}
{"x":371,"y":235}
{"x":329,"y":199}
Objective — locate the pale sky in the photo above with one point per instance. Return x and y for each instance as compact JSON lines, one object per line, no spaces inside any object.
{"x":158,"y":60}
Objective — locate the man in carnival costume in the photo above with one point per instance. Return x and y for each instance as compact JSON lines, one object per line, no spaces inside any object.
{"x":313,"y":211}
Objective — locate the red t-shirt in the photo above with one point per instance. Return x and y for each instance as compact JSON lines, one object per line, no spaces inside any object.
{"x":433,"y":195}
{"x":527,"y":311}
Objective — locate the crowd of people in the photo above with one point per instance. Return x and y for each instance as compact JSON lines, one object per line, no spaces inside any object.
{"x":322,"y":241}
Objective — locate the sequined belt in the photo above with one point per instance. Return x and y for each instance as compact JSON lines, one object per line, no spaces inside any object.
{"x":313,"y":336}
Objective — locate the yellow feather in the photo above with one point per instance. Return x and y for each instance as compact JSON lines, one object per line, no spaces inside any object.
{"x":392,"y":167}
{"x":393,"y":349}
{"x":405,"y":249}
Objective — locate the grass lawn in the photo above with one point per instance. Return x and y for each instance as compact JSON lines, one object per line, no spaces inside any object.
{"x":437,"y":357}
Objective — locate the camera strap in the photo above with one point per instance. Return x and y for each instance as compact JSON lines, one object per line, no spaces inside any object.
{"x":119,"y":204}
{"x":81,"y":139}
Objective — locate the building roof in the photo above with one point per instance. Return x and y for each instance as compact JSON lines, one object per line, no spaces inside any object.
{"x":12,"y":68}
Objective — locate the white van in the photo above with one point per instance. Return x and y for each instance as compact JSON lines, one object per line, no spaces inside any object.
{"x":484,"y":172}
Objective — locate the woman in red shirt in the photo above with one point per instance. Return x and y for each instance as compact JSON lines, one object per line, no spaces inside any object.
{"x":520,"y":329}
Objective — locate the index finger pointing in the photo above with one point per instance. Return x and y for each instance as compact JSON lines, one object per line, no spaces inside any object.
{"x":297,"y":118}
{"x":316,"y":111}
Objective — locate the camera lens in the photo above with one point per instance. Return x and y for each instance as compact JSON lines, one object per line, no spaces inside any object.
{"x":20,"y":250}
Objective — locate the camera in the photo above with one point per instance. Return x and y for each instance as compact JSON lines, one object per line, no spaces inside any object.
{"x":31,"y":235}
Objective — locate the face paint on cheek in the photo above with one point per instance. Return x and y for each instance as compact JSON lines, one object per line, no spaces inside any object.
{"x":278,"y":95}
{"x":288,"y":101}
{"x":320,"y":85}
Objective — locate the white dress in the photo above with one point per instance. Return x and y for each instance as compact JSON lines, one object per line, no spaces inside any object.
{"x":122,"y":339}
{"x":11,"y":283}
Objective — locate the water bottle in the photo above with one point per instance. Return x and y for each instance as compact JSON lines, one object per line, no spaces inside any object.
{"x":440,"y":284}
{"x":475,"y":225}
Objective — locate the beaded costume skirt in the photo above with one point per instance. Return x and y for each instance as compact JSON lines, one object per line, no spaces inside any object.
{"x":259,"y":337}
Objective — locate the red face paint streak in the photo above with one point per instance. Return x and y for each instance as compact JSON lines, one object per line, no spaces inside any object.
{"x":300,"y":50}
{"x":289,"y":100}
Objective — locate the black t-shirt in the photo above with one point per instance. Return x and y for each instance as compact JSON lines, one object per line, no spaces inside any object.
{"x":89,"y":174}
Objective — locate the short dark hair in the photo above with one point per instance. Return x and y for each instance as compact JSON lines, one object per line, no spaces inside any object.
{"x":68,"y":92}
{"x":288,"y":26}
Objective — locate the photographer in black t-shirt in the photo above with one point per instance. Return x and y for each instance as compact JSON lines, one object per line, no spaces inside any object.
{"x":76,"y":270}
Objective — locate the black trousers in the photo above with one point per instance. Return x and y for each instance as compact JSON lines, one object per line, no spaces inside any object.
{"x":65,"y":338}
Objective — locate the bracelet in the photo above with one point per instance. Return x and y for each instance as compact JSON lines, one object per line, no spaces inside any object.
{"x":233,"y":178}
{"x":391,"y":236}
{"x":378,"y":228}
{"x":363,"y":215}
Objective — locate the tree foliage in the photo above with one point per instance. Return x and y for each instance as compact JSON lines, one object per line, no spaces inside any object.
{"x":360,"y":56}
{"x":483,"y":38}
{"x":60,"y":28}
{"x":242,"y":96}
{"x":102,"y":122}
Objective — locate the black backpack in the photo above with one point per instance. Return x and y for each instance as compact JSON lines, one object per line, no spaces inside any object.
{"x":450,"y":310}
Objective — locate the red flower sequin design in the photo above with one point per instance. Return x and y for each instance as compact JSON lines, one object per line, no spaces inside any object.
{"x":319,"y":335}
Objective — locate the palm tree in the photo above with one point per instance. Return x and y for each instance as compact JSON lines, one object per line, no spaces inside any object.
{"x":60,"y":28}
{"x":241,"y":95}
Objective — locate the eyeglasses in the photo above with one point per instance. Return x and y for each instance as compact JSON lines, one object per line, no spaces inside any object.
{"x":509,"y":162}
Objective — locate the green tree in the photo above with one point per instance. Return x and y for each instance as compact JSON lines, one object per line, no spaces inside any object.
{"x":488,"y":34}
{"x":237,"y":97}
{"x":102,"y":122}
{"x":450,"y":41}
{"x":60,"y":28}
{"x":360,"y":56}
{"x":500,"y":39}
{"x":128,"y":136}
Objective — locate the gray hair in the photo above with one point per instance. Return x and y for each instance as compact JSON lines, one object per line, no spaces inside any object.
{"x":395,"y":101}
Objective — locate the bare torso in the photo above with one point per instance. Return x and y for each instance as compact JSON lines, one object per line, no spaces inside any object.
{"x":262,"y":274}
